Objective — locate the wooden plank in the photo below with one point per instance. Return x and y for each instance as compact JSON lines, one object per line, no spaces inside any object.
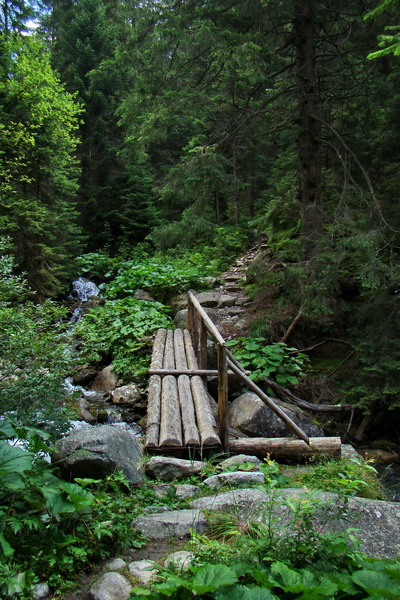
{"x":223,"y":397}
{"x":190,"y":355}
{"x":287,"y":448}
{"x":205,"y":419}
{"x":179,"y":349}
{"x":158,"y":349}
{"x":170,"y":423}
{"x":269,"y":402}
{"x":153,"y":411}
{"x":191,"y":435}
{"x":169,"y":354}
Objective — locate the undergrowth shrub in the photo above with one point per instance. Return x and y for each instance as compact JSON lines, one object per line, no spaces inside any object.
{"x":278,"y":361}
{"x":160,"y":278}
{"x":120,"y":331}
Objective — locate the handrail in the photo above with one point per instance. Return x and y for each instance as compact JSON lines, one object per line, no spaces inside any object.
{"x":199,"y":323}
{"x":206,"y":319}
{"x":197,"y":313}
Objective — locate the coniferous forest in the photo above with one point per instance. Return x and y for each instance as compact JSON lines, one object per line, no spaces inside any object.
{"x":147,"y":144}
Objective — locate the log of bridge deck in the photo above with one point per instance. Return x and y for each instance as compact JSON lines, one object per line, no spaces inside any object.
{"x":154,"y":396}
{"x":195,"y":308}
{"x":190,"y":432}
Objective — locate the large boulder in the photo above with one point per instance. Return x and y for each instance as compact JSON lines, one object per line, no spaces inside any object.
{"x":251,"y":416}
{"x":106,"y":380}
{"x":97,"y":452}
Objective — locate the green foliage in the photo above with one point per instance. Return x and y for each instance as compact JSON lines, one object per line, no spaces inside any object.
{"x":50,"y":528}
{"x":38,"y":175}
{"x":98,"y":266}
{"x":299,"y":563}
{"x":280,"y":362}
{"x":351,"y":477}
{"x":120,"y":331}
{"x":34,"y":356}
{"x":159,"y":277}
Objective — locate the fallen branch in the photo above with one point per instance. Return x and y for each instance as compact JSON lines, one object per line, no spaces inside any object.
{"x":310,"y":348}
{"x":342,"y":363}
{"x":292,"y":325}
{"x":303,"y":403}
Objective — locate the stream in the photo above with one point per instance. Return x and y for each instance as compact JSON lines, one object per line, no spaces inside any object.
{"x":95,"y":407}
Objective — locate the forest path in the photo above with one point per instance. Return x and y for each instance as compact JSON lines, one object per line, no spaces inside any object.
{"x":234,"y":306}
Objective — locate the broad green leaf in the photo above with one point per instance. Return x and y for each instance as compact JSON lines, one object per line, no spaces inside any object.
{"x":5,"y":546}
{"x":241,"y":592}
{"x":376,"y":582}
{"x":212,"y":577}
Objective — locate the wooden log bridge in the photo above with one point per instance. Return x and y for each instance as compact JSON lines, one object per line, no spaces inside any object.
{"x":179,"y":414}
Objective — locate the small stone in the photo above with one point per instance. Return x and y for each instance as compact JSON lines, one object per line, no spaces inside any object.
{"x":111,"y":586}
{"x":126,"y":394}
{"x":237,"y":460}
{"x":41,"y":591}
{"x":181,"y":560}
{"x":226,"y":300}
{"x":116,"y":564}
{"x":235,"y":478}
{"x":143,"y":570}
{"x":168,"y":468}
{"x":186,"y":490}
{"x":171,"y":524}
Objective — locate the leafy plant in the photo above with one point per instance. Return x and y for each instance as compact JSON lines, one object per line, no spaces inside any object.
{"x":156,"y":276}
{"x":120,"y":331}
{"x":278,"y":361}
{"x":351,"y":477}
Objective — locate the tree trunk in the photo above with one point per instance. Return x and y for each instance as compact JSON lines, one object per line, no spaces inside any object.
{"x":309,"y":127}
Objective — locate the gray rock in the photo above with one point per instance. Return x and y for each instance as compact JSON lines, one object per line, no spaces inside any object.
{"x":209,"y":299}
{"x":41,"y":591}
{"x":183,"y":490}
{"x":143,"y":295}
{"x":234,"y":479}
{"x":84,"y":375}
{"x":180,"y":561}
{"x":127,"y":394}
{"x":116,"y":564}
{"x":250,"y":415}
{"x":348,"y":451}
{"x":83,"y":409}
{"x":168,"y":468}
{"x":241,"y":301}
{"x":171,"y":524}
{"x":97,"y":452}
{"x":112,"y":586}
{"x":226,"y":300}
{"x":143,"y":570}
{"x":106,"y":381}
{"x":376,"y":523}
{"x":244,"y":502}
{"x":237,"y":460}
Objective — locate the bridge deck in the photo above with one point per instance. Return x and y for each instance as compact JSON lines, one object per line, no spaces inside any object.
{"x":179,"y":413}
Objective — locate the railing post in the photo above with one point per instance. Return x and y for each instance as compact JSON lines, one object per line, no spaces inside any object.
{"x":202,"y":359}
{"x":193,"y":326}
{"x":223,"y":397}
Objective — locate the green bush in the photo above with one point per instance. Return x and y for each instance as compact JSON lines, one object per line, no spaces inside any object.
{"x":278,"y":361}
{"x":120,"y":332}
{"x":157,"y":276}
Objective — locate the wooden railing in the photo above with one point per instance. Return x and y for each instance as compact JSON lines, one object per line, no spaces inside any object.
{"x":200,"y":325}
